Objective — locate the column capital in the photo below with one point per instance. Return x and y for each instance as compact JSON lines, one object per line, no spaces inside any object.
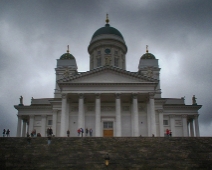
{"x":54,"y":111}
{"x":196,"y":116}
{"x":151,"y":95}
{"x":160,"y":110}
{"x":98,"y":95}
{"x":81,"y":95}
{"x":31,"y":116}
{"x":43,"y":116}
{"x":184,"y":116}
{"x":64,"y":96}
{"x":134,"y":95}
{"x":172,"y":116}
{"x":118,"y":95}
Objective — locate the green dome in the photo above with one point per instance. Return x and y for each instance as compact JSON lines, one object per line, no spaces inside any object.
{"x":148,"y":56}
{"x":107,"y":30}
{"x":67,"y":56}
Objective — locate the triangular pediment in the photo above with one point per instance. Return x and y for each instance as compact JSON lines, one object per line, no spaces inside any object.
{"x":107,"y":75}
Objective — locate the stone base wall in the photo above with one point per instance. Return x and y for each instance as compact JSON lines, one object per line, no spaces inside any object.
{"x":88,"y":153}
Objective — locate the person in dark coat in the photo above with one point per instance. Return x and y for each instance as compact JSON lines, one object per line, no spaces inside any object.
{"x":68,"y":133}
{"x":4,"y":132}
{"x":8,"y":132}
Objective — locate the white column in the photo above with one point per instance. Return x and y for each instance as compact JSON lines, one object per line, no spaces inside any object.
{"x":24,"y":128}
{"x":67,"y":114}
{"x":43,"y":125}
{"x":149,"y":131}
{"x":54,"y":122}
{"x":63,"y":116}
{"x":81,"y":114}
{"x":118,"y":115}
{"x":161,"y":128}
{"x":31,"y":123}
{"x":185,"y":126}
{"x":152,"y":111}
{"x":135,"y":115}
{"x":19,"y":127}
{"x":172,"y":124}
{"x":191,"y":127}
{"x":196,"y":125}
{"x":97,"y":116}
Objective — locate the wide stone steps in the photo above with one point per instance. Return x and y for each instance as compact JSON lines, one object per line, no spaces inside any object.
{"x":88,"y":153}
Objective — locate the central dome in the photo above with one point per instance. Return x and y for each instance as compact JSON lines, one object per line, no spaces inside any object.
{"x":107,"y":30}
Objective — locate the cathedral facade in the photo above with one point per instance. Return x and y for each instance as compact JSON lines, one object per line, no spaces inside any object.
{"x":108,"y":99}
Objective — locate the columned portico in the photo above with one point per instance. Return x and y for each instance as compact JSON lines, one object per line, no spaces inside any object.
{"x":172,"y":124}
{"x":185,"y":126}
{"x":196,"y":125}
{"x":63,"y":116}
{"x":135,"y":116}
{"x":19,"y":127}
{"x":97,"y":115}
{"x":161,"y":128}
{"x":152,"y":113}
{"x":118,"y":115}
{"x":81,"y":114}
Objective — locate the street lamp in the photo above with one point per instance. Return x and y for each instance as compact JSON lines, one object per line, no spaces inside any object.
{"x":107,"y":159}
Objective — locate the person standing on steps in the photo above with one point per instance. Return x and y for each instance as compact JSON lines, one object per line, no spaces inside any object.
{"x":86,"y":132}
{"x":8,"y":132}
{"x":78,"y":131}
{"x":90,"y":132}
{"x":68,"y":133}
{"x":82,"y":131}
{"x":4,"y":132}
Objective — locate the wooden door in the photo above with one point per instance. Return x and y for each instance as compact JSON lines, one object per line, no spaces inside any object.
{"x":108,"y":133}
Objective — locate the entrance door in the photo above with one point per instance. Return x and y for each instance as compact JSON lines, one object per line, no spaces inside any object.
{"x":107,"y":129}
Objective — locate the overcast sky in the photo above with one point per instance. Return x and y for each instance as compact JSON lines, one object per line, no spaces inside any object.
{"x":33,"y":34}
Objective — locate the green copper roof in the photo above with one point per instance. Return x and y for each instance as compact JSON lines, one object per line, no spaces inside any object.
{"x":67,"y":56}
{"x":107,"y":30}
{"x":148,"y":56}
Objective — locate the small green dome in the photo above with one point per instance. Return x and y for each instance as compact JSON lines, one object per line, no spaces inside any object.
{"x":107,"y":30}
{"x":148,"y":56}
{"x":67,"y":56}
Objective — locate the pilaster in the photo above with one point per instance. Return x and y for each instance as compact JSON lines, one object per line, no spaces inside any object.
{"x":24,"y":128}
{"x":172,"y":124}
{"x":31,"y":123}
{"x":135,"y":115}
{"x":97,"y":115}
{"x":63,"y":116}
{"x":185,"y":125}
{"x":161,"y":128}
{"x":118,"y":115}
{"x":196,"y":125}
{"x":54,"y":122}
{"x":152,"y":113}
{"x":19,"y":127}
{"x":81,"y":114}
{"x":43,"y":125}
{"x":191,"y":120}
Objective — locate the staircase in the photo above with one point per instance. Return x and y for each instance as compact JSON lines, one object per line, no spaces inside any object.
{"x":88,"y":153}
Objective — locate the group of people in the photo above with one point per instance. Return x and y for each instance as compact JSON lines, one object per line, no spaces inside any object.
{"x":6,"y":132}
{"x":168,"y":133}
{"x":80,"y":132}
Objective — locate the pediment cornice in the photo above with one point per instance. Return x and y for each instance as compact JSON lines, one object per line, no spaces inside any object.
{"x":107,"y":68}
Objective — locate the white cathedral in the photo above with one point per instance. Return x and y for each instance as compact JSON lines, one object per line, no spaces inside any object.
{"x":108,"y":99}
